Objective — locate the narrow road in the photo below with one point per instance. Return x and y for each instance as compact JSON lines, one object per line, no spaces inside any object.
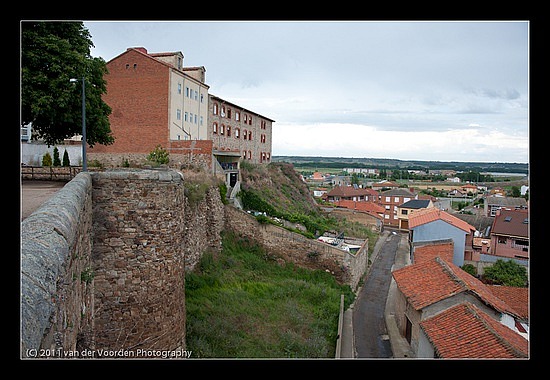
{"x":369,"y":327}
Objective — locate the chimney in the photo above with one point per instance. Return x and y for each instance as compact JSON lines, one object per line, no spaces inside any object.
{"x":141,"y":49}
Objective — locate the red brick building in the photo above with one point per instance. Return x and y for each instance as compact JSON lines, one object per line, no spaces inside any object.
{"x":155,"y":100}
{"x":150,"y":95}
{"x":391,"y":200}
{"x":237,"y":129}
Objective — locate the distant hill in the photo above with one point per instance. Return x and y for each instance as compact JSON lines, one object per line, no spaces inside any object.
{"x":390,"y":163}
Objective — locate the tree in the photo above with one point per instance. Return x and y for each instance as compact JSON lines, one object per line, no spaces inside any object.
{"x":56,"y":159}
{"x":51,"y":54}
{"x":506,"y":272}
{"x":66,"y":161}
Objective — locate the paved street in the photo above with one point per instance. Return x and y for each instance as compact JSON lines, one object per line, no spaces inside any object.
{"x":369,"y":327}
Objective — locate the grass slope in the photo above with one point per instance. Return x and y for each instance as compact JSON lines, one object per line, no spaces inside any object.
{"x":243,"y":304}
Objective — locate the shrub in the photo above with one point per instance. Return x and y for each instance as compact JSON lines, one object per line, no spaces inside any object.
{"x":223,"y":192}
{"x":159,"y":155}
{"x":470,"y":269}
{"x":47,"y":159}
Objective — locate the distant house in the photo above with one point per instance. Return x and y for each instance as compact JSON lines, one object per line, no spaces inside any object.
{"x":317,"y":177}
{"x":493,"y":203}
{"x":367,"y":213}
{"x":384,"y":184}
{"x":319,"y":192}
{"x":444,"y":312}
{"x":406,"y":209}
{"x":391,"y":200}
{"x":434,"y":224}
{"x":457,"y":193}
{"x":510,"y":235}
{"x":351,"y":193}
{"x":469,"y":188}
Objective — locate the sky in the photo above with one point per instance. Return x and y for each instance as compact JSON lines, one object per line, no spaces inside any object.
{"x":410,"y":90}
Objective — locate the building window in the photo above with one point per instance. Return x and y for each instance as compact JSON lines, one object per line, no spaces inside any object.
{"x":196,"y":95}
{"x":396,"y":199}
{"x":187,"y":91}
{"x":222,"y":113}
{"x":404,"y":212}
{"x":215,"y":111}
{"x":178,"y":114}
{"x":250,"y":135}
{"x":185,"y":116}
{"x":245,"y":135}
{"x":195,"y":118}
{"x":222,"y":130}
{"x":237,"y":116}
{"x":229,"y":113}
{"x":237,"y":133}
{"x":179,"y":88}
{"x":388,"y":199}
{"x":202,"y":98}
{"x":201,"y":120}
{"x":215,"y":128}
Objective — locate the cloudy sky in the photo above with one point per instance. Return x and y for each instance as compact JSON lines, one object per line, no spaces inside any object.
{"x":425,"y":90}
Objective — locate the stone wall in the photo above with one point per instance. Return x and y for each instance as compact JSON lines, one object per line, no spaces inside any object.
{"x":182,"y":154}
{"x":138,"y":257}
{"x":204,"y":223}
{"x":292,"y":247}
{"x":56,"y":273}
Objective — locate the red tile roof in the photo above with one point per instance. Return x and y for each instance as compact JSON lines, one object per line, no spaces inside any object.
{"x":514,"y":296}
{"x":429,"y":250}
{"x":465,"y":331}
{"x":428,"y":215}
{"x":350,"y":191}
{"x":366,"y":206}
{"x":430,"y":281}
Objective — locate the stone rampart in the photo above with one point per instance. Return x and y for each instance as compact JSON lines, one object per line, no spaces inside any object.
{"x":56,"y":273}
{"x":138,"y":257}
{"x":103,"y":261}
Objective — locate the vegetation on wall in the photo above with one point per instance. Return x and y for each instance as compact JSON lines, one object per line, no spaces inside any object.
{"x":278,"y":191}
{"x":158,"y":156}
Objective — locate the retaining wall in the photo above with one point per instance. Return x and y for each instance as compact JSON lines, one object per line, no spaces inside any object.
{"x":56,"y":288}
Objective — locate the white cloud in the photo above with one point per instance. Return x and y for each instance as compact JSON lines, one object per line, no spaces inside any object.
{"x":351,"y":140}
{"x":418,"y":90}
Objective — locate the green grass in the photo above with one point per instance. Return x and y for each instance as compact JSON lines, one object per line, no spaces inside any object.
{"x":241,"y":303}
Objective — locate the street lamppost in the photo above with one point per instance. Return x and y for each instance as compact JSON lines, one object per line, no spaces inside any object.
{"x":84,"y":164}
